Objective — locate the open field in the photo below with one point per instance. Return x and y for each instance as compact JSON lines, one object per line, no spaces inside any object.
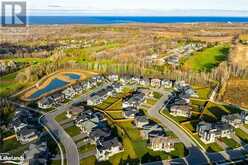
{"x":239,"y":56}
{"x":236,"y":92}
{"x":207,"y":59}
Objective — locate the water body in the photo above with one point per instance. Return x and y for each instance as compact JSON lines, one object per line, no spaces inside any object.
{"x":73,"y":76}
{"x":46,"y":20}
{"x":54,"y":84}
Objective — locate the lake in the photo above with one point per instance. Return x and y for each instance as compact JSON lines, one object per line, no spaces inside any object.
{"x":73,"y":76}
{"x":53,"y":85}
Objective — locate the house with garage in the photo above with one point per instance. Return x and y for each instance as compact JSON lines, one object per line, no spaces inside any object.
{"x":166,"y":144}
{"x":141,"y":121}
{"x":209,"y":132}
{"x":74,"y":112}
{"x":130,"y":112}
{"x":45,"y":103}
{"x":244,"y":117}
{"x":234,"y":120}
{"x":27,"y":135}
{"x":181,"y":110}
{"x":156,"y":83}
{"x":37,"y":153}
{"x":107,"y":147}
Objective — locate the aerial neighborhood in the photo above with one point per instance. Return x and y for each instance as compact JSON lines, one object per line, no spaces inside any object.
{"x":125,"y":94}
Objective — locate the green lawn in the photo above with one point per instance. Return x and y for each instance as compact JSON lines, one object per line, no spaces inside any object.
{"x":157,"y":95}
{"x":116,"y":115}
{"x":73,"y":131}
{"x":88,"y":161}
{"x":213,"y":112}
{"x":230,"y":143}
{"x":151,"y":101}
{"x":207,"y":59}
{"x":13,"y":146}
{"x":61,"y":117}
{"x":242,"y":135}
{"x":203,"y":93}
{"x":86,"y":148}
{"x":191,"y":126}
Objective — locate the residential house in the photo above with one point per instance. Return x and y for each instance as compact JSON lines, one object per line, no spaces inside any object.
{"x":86,"y":126}
{"x":152,"y":130}
{"x":166,"y":144}
{"x":156,"y":83}
{"x":129,"y":113}
{"x":26,"y":135}
{"x":36,"y":154}
{"x":20,"y":119}
{"x":18,"y":124}
{"x":117,"y":87}
{"x":134,"y":101}
{"x":144,"y":81}
{"x":113,"y":77}
{"x":166,"y":84}
{"x":78,"y":88}
{"x":58,"y":98}
{"x":69,"y":93}
{"x":107,"y":148}
{"x":74,"y":112}
{"x":232,"y":119}
{"x":135,"y":79}
{"x":98,"y":133}
{"x":244,"y":117}
{"x":180,"y":110}
{"x":140,"y":121}
{"x":45,"y":103}
{"x":209,"y":132}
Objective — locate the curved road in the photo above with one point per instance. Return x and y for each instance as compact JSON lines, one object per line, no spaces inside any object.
{"x":196,"y":156}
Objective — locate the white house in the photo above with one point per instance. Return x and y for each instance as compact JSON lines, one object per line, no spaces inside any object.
{"x":180,"y":110}
{"x":208,"y":132}
{"x":156,"y":83}
{"x":108,"y":148}
{"x":166,"y":144}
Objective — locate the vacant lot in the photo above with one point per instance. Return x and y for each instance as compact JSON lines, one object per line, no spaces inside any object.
{"x":240,"y":56}
{"x":207,"y":59}
{"x":236,"y":92}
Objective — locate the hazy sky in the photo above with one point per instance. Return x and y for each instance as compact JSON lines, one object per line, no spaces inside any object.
{"x":138,"y":7}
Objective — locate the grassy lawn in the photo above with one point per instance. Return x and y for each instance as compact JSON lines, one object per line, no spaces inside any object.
{"x":230,"y":143}
{"x":203,"y":93}
{"x":191,"y":126}
{"x":178,"y":119}
{"x":86,"y":148}
{"x":157,"y":95}
{"x":242,"y":135}
{"x":88,"y":161}
{"x":213,"y":112}
{"x":116,"y":106}
{"x":151,"y":101}
{"x":13,"y":146}
{"x":116,"y":115}
{"x":132,"y":132}
{"x":61,"y":117}
{"x":207,"y":59}
{"x":73,"y":131}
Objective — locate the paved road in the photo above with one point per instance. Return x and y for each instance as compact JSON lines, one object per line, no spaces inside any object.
{"x":72,"y":154}
{"x":196,"y":156}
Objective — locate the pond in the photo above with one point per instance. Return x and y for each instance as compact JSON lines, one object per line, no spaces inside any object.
{"x":54,"y":84}
{"x":72,"y":76}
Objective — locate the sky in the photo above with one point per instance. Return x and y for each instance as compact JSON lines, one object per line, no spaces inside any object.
{"x":138,"y":7}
